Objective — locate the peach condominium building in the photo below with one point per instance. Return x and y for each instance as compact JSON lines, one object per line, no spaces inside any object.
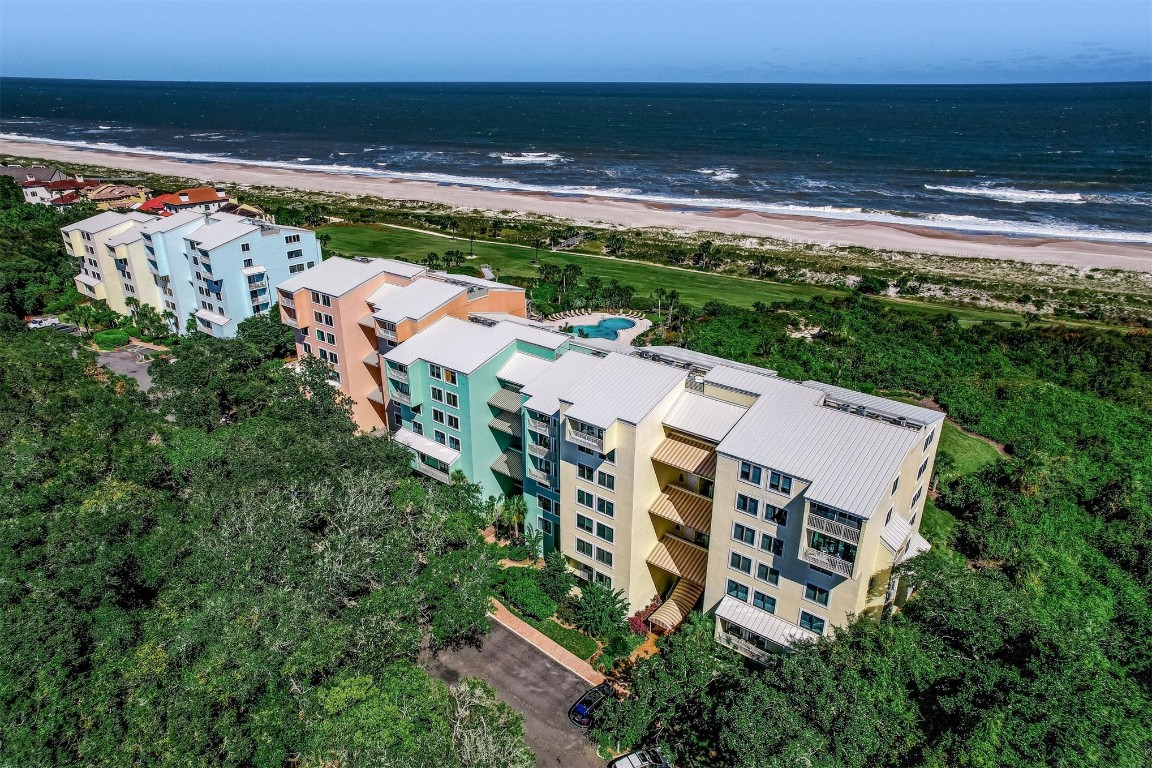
{"x":779,"y":507}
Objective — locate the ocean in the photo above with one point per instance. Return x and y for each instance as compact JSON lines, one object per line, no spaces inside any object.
{"x":1037,"y":160}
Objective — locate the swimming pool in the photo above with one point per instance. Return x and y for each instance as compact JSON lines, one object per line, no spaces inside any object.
{"x":609,"y":328}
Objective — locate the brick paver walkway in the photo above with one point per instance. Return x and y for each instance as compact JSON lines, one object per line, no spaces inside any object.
{"x":545,"y":644}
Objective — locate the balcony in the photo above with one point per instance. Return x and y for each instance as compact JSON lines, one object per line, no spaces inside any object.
{"x":539,"y":451}
{"x":289,"y":320}
{"x":540,"y":476}
{"x":509,"y":425}
{"x":433,"y":472}
{"x":684,"y":507}
{"x":397,"y":375}
{"x":586,"y":440}
{"x":386,"y":333}
{"x":826,"y":561}
{"x":255,"y":284}
{"x":680,"y":557}
{"x":287,"y":301}
{"x":832,"y":528}
{"x":539,"y":427}
{"x":743,"y":647}
{"x":403,"y":399}
{"x":372,"y":359}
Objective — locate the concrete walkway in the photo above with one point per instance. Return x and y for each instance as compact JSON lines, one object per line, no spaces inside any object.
{"x":544,"y":644}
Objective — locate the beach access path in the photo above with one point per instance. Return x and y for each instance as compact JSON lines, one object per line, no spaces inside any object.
{"x":590,"y":210}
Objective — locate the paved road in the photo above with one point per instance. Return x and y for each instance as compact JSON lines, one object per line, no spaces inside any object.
{"x":535,"y":686}
{"x":124,"y":362}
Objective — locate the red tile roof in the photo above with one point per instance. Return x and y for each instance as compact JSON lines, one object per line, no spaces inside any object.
{"x":62,"y":185}
{"x":67,"y":199}
{"x":195,"y":196}
{"x":154,"y":205}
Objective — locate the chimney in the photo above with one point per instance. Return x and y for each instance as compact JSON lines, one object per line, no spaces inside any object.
{"x":31,"y":177}
{"x":183,"y":197}
{"x":79,"y":177}
{"x":220,"y":193}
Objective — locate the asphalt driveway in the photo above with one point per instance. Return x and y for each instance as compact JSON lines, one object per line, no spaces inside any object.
{"x":124,"y":362}
{"x":532,"y":684}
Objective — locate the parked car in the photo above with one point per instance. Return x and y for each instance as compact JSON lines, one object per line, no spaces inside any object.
{"x":42,"y":322}
{"x":580,"y":713}
{"x":641,"y":758}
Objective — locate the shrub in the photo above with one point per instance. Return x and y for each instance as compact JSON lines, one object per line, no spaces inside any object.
{"x":638,"y":622}
{"x":524,"y":593}
{"x":599,"y":611}
{"x":619,"y":646}
{"x":555,"y":579}
{"x":111,"y":338}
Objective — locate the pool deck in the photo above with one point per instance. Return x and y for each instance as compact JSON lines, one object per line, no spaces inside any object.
{"x":624,"y":338}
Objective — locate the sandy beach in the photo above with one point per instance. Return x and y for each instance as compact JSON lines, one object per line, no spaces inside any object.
{"x":624,"y":212}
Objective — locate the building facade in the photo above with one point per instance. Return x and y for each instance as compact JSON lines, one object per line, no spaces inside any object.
{"x":213,"y":268}
{"x":780,"y":507}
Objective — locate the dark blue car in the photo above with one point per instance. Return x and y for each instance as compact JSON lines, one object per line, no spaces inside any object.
{"x":580,"y":713}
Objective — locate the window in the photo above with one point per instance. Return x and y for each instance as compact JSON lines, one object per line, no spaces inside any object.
{"x":920,"y":472}
{"x":750,"y":473}
{"x":435,"y":371}
{"x":813,"y":623}
{"x":895,"y":484}
{"x":585,"y":523}
{"x":332,"y":356}
{"x":888,"y":517}
{"x":776,"y":515}
{"x":605,"y":507}
{"x":740,"y":562}
{"x":453,"y":422}
{"x":743,"y":533}
{"x":295,"y":268}
{"x":307,"y":348}
{"x":916,"y":496}
{"x":453,"y":442}
{"x":604,"y":556}
{"x":295,"y":254}
{"x":322,"y":299}
{"x":322,"y":318}
{"x":780,"y":483}
{"x":397,"y":419}
{"x":329,"y":338}
{"x":437,"y":416}
{"x":604,"y":579}
{"x":928,"y":440}
{"x":584,"y":547}
{"x":311,"y":264}
{"x":585,"y":472}
{"x":324,"y":355}
{"x":583,"y":498}
{"x":605,"y":532}
{"x":452,"y":400}
{"x":606,"y":480}
{"x":440,"y":437}
{"x":438,"y":394}
{"x":291,"y":239}
{"x":764,"y":602}
{"x":816,"y":594}
{"x":770,"y":575}
{"x":747,"y":504}
{"x":737,"y":590}
{"x":319,"y":333}
{"x":771,"y":544}
{"x":244,"y":248}
{"x":544,"y":502}
{"x":450,"y":376}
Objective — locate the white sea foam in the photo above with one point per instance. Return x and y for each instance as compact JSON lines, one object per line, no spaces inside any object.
{"x":529,"y":158}
{"x":1012,"y":194}
{"x":719,"y":174}
{"x":940,"y":221}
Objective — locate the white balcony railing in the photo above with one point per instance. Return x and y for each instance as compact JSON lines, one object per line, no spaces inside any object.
{"x":386,"y":333}
{"x":586,"y":440}
{"x":286,"y":301}
{"x":539,"y":451}
{"x":397,"y":375}
{"x":743,"y":647}
{"x":400,"y":397}
{"x":539,"y":427}
{"x":433,"y":472}
{"x":826,"y":561}
{"x":832,"y":528}
{"x":540,"y":476}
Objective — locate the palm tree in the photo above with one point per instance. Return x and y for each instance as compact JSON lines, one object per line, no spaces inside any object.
{"x":759,"y":264}
{"x":324,"y":239}
{"x":511,"y":513}
{"x":571,"y":272}
{"x":660,"y":294}
{"x":170,"y":320}
{"x":432,"y":261}
{"x":133,"y":305}
{"x":82,"y":315}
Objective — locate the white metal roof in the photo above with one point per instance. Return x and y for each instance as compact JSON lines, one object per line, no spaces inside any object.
{"x":259,"y":269}
{"x":756,"y":382}
{"x":464,"y":346}
{"x":562,"y":374}
{"x":157,"y":224}
{"x":683,"y":356}
{"x":765,"y":624}
{"x":416,"y":300}
{"x":623,"y":388}
{"x":479,"y":282}
{"x":522,"y":368}
{"x":895,"y":533}
{"x":218,"y":233}
{"x":380,"y":295}
{"x":335,"y":276}
{"x":130,"y":235}
{"x":427,"y":447}
{"x":703,"y":416}
{"x":848,"y":460}
{"x":107,"y":220}
{"x":914,"y":413}
{"x":88,"y":280}
{"x":918,"y":546}
{"x":212,"y":317}
{"x":401,"y":268}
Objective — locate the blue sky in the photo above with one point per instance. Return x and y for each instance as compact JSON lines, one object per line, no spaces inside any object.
{"x":862,"y":41}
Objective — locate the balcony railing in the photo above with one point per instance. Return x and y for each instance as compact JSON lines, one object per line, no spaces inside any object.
{"x":289,"y":320}
{"x":400,"y":397}
{"x":826,"y":561}
{"x":540,"y":476}
{"x":254,"y":284}
{"x":832,"y":528}
{"x":586,"y":440}
{"x":433,"y":472}
{"x":286,"y":301}
{"x":743,"y":647}
{"x":386,"y":333}
{"x":539,"y":451}
{"x":539,"y":427}
{"x":397,"y":375}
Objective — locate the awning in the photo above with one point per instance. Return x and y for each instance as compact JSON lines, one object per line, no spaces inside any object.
{"x":683,"y":507}
{"x":212,"y":317}
{"x":509,"y":425}
{"x":783,"y":633}
{"x":677,"y":556}
{"x":423,"y":445}
{"x":372,"y":359}
{"x":676,"y":608}
{"x":510,"y":464}
{"x":88,"y":280}
{"x":376,"y":395}
{"x":895,"y":533}
{"x":257,"y":270}
{"x":918,"y":546}
{"x":506,"y":400}
{"x":695,"y":456}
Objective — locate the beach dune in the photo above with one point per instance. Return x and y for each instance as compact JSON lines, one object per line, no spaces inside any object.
{"x":1081,"y":254}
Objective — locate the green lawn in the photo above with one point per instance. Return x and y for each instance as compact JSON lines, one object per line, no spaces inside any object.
{"x":971,"y":454}
{"x":577,"y":643}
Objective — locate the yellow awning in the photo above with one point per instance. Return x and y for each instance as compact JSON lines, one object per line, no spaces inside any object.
{"x":695,"y":456}
{"x":677,"y":556}
{"x":683,"y":507}
{"x":676,"y":608}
